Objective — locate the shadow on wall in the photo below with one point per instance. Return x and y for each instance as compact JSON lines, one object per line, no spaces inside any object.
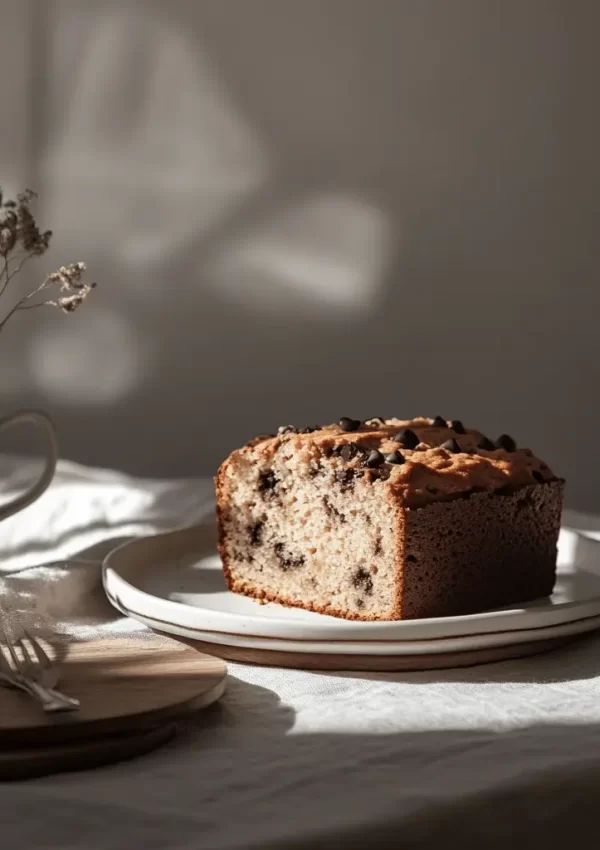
{"x":305,"y":210}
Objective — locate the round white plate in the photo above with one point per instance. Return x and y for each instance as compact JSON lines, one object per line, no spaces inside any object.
{"x":173,"y":582}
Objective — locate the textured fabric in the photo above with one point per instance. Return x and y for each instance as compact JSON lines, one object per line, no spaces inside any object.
{"x":489,"y":756}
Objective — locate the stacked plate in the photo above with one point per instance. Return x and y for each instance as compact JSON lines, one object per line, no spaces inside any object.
{"x":173,"y":583}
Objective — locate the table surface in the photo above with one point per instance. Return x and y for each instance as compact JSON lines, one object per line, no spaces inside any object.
{"x":501,"y":753}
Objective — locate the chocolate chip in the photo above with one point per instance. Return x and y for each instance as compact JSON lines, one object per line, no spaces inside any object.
{"x":451,"y":446}
{"x":439,"y":422}
{"x":349,"y":451}
{"x":267,"y":480}
{"x":538,"y":476}
{"x":345,"y":477}
{"x":287,"y":429}
{"x":486,"y":444}
{"x":378,"y":546}
{"x":375,"y":419}
{"x":347,"y":424}
{"x":395,"y":457}
{"x":506,"y":442}
{"x":287,"y":561}
{"x":362,"y":579}
{"x":374,"y":459}
{"x":407,"y":438}
{"x":310,"y":429}
{"x":458,"y":427}
{"x":255,"y":532}
{"x":332,"y":511}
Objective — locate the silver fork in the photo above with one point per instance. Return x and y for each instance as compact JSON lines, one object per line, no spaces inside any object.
{"x":31,"y":675}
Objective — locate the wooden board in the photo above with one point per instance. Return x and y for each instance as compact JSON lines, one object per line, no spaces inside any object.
{"x":38,"y":761}
{"x":126,"y":685}
{"x":373,"y":663}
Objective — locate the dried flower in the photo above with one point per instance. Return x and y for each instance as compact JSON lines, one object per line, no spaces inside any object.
{"x":8,"y":238}
{"x":69,"y":277}
{"x":28,"y":233}
{"x":69,"y":303}
{"x":19,"y":230}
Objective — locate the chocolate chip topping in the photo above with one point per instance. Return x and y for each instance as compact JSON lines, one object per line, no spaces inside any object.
{"x":506,"y":442}
{"x":310,"y":429}
{"x":407,"y":438}
{"x":374,"y":459}
{"x":457,"y":426}
{"x":347,"y":424}
{"x":287,"y":429}
{"x":349,"y":451}
{"x":451,"y":446}
{"x":395,"y":457}
{"x":486,"y":444}
{"x":439,"y":422}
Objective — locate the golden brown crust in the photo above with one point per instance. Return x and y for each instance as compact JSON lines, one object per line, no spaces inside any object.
{"x":222,"y":503}
{"x":482,"y":552}
{"x":431,"y":472}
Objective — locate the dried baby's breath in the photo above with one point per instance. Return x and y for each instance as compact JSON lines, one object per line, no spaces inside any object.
{"x":20,"y":240}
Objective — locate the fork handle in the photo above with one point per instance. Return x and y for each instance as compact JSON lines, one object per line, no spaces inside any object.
{"x":51,"y":700}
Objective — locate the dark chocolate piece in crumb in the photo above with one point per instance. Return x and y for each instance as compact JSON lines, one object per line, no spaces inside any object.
{"x":310,"y":429}
{"x":486,"y":444}
{"x":362,"y":580}
{"x":267,"y":481}
{"x":287,"y":561}
{"x":378,"y":549}
{"x":537,"y":475}
{"x":349,"y":451}
{"x":395,"y":457}
{"x":332,"y":511}
{"x":506,"y":442}
{"x":451,"y":446}
{"x":345,"y":478}
{"x":255,"y":532}
{"x":439,"y":422}
{"x":458,"y":427}
{"x":407,"y":438}
{"x":347,"y":424}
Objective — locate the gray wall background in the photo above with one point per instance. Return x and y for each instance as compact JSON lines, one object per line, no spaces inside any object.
{"x":297,"y":210}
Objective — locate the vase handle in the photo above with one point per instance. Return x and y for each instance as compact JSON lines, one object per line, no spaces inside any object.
{"x":43,"y":421}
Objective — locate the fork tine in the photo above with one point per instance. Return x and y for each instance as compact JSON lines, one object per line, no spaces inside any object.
{"x":39,"y":650}
{"x":26,"y":653}
{"x":11,"y":649}
{"x":4,"y":665}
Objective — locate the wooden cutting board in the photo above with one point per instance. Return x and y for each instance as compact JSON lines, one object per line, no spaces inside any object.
{"x":131,"y":690}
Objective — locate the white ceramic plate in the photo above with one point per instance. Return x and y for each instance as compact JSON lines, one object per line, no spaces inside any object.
{"x":174,"y":582}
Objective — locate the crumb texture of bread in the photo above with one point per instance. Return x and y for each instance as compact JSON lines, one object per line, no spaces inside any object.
{"x":388,"y":519}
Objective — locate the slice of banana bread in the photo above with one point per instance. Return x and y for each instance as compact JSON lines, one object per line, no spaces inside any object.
{"x":388,"y":519}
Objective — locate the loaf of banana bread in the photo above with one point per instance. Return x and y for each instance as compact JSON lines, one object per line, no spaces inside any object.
{"x":388,"y":519}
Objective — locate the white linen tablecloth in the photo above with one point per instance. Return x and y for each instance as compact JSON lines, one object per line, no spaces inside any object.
{"x":497,"y":755}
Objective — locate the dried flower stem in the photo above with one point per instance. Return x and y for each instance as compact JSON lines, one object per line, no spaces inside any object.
{"x":18,"y":229}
